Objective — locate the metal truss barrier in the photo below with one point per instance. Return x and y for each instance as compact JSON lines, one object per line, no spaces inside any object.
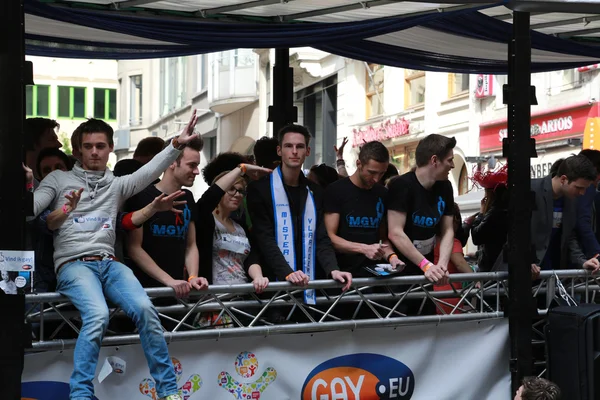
{"x":371,"y":302}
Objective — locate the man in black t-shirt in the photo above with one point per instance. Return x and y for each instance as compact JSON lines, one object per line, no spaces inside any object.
{"x":166,"y":244}
{"x":145,"y":151}
{"x":355,"y":213}
{"x":420,"y":206}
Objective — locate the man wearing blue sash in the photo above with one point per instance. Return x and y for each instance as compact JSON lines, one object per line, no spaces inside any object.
{"x":287,"y":218}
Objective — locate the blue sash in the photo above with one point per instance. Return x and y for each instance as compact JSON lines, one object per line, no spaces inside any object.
{"x":284,"y":230}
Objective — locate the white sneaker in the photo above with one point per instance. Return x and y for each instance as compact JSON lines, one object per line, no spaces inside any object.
{"x":172,"y":397}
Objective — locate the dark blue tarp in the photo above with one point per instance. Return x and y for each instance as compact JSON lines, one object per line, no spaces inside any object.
{"x":349,"y":39}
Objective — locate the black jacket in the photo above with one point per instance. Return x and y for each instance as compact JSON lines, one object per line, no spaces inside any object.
{"x":205,"y":229}
{"x":571,"y":255}
{"x":260,"y":206}
{"x":490,"y":232}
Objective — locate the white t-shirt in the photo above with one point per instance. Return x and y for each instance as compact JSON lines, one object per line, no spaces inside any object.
{"x":228,"y":254}
{"x":8,"y":287}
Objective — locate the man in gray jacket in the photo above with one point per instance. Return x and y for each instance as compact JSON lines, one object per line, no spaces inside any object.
{"x":554,"y":217}
{"x":553,"y":240}
{"x":86,"y":268}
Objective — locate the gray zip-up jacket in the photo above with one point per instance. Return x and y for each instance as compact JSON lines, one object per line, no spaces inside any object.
{"x":90,"y":229}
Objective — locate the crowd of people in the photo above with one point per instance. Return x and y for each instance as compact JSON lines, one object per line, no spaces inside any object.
{"x":103,"y":236}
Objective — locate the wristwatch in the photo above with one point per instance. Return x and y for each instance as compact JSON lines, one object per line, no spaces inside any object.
{"x":176,"y":144}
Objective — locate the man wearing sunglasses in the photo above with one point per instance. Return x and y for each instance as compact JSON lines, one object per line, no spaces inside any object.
{"x":166,"y":246}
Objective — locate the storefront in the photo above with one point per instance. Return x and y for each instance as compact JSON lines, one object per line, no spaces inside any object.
{"x":399,"y":135}
{"x":558,"y":133}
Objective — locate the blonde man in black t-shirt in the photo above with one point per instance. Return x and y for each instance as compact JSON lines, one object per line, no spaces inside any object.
{"x":420,"y":207}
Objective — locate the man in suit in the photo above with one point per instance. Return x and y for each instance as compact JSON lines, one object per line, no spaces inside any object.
{"x":279,"y":205}
{"x":554,"y":217}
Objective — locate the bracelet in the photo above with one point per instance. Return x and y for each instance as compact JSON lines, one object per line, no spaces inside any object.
{"x":243,"y":168}
{"x":424,"y":262}
{"x":127,"y":222}
{"x":426,"y":268}
{"x":65,"y":209}
{"x":192,"y":277}
{"x":390,"y":256}
{"x":339,"y":162}
{"x":177,"y":145}
{"x":288,"y":275}
{"x":29,"y":186}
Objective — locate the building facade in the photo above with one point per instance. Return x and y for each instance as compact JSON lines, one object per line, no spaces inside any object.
{"x":564,"y":116}
{"x":72,"y":90}
{"x":338,"y":97}
{"x":157,"y":97}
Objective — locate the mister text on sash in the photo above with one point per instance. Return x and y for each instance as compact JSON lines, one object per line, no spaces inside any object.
{"x":284,"y":230}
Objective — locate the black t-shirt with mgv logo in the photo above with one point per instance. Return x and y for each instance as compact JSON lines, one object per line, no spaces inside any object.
{"x":424,"y":210}
{"x":361,"y":214}
{"x":165,"y":235}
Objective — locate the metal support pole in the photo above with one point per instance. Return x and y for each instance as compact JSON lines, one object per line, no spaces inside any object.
{"x":518,"y":148}
{"x":282,"y":112}
{"x":12,"y":194}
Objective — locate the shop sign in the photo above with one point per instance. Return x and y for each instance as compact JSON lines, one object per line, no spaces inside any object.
{"x":588,"y":68}
{"x":540,"y":170}
{"x":545,"y":127}
{"x":380,"y":133}
{"x":485,"y":86}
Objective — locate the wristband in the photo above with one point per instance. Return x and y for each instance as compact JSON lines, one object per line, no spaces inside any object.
{"x":340,"y":162}
{"x":243,"y":168}
{"x":65,"y":209}
{"x":426,"y":268}
{"x":390,"y":256}
{"x":127,"y":222}
{"x":424,"y":262}
{"x":29,"y":186}
{"x":192,"y":277}
{"x":177,"y":145}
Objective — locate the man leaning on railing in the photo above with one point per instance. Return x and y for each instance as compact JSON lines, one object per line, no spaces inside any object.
{"x":420,"y":205}
{"x":286,"y":213}
{"x":554,"y":218}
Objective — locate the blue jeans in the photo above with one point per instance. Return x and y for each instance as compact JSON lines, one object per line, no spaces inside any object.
{"x":86,"y":284}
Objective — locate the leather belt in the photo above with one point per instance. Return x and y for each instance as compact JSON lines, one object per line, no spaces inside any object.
{"x":89,"y":258}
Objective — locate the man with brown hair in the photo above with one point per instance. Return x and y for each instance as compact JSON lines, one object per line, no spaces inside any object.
{"x":87,"y":272}
{"x":355,"y":214}
{"x":534,"y":388}
{"x":75,"y":151}
{"x":40,"y":133}
{"x":420,"y":208}
{"x":287,"y":218}
{"x":146,"y":149}
{"x":165,"y":246}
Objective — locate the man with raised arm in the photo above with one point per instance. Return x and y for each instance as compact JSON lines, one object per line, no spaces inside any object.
{"x":166,"y":245}
{"x":86,"y":268}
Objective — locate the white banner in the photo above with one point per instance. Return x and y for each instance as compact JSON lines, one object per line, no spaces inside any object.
{"x":450,"y":361}
{"x":16,"y":268}
{"x":17,"y":260}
